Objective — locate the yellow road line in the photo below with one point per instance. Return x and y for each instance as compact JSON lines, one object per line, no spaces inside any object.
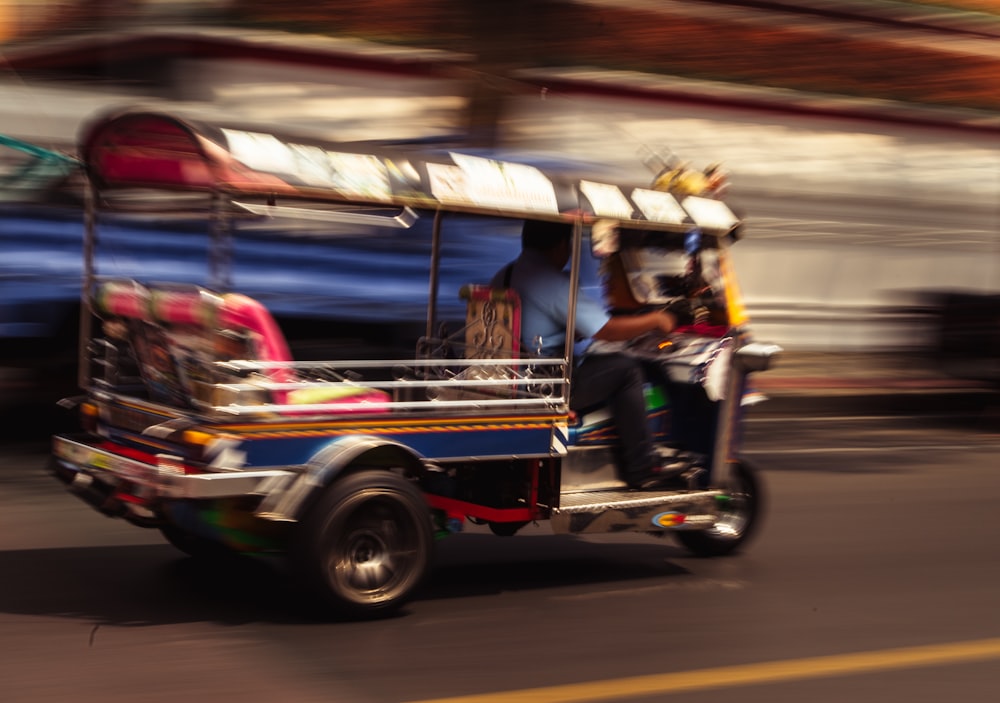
{"x":747,"y":674}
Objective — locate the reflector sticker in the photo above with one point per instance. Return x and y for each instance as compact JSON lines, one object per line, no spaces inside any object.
{"x":671,"y":518}
{"x":560,"y":437}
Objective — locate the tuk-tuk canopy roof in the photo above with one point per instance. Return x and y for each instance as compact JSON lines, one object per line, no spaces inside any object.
{"x":144,"y":149}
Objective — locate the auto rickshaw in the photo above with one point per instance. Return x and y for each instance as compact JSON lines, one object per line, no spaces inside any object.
{"x":197,"y":418}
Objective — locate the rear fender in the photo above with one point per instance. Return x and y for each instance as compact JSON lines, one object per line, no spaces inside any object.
{"x":334,"y":460}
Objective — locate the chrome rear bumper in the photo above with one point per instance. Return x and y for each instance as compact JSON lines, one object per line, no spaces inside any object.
{"x":78,"y":463}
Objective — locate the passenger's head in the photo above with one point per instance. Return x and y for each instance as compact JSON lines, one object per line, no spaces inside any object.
{"x":550,"y":238}
{"x":543,"y":235}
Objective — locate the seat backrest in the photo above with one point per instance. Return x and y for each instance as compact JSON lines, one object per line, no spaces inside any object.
{"x":129,"y":304}
{"x":179,"y":332}
{"x":492,"y":322}
{"x":125,"y":299}
{"x":264,"y":341}
{"x":260,"y":338}
{"x":249,"y":317}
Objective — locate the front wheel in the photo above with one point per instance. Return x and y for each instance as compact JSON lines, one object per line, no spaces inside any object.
{"x":742,"y":504}
{"x":366,"y":545}
{"x":505,"y":529}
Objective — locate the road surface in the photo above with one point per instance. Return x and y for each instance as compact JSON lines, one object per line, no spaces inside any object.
{"x":873,"y":578}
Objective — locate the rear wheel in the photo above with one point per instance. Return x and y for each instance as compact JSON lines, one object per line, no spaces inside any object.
{"x":366,"y":545}
{"x":738,"y":519}
{"x":194,"y":545}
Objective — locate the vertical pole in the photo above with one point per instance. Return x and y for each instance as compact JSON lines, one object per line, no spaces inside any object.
{"x":435,"y":266}
{"x":87,"y":284}
{"x":220,"y":243}
{"x":536,"y":468}
{"x":728,"y":431}
{"x":574,"y":292}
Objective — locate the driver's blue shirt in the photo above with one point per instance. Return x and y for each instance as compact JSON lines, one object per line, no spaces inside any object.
{"x":544,"y":293}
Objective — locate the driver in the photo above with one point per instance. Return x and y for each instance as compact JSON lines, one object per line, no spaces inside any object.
{"x":693,"y":417}
{"x":612,"y":377}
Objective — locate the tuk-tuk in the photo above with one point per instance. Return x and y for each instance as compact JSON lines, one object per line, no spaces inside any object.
{"x":197,"y":420}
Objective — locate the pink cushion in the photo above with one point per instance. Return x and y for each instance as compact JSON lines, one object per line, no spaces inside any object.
{"x":123,"y":299}
{"x":184,"y":307}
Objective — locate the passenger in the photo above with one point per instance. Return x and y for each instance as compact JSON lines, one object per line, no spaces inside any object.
{"x":611,"y":377}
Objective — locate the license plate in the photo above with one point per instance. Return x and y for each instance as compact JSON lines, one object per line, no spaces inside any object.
{"x":88,"y":458}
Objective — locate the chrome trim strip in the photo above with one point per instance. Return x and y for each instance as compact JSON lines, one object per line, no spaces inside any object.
{"x":595,"y":501}
{"x":113,"y":468}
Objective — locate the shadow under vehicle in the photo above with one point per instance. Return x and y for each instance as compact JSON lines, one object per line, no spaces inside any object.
{"x":197,"y":420}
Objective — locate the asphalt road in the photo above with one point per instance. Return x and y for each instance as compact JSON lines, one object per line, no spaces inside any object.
{"x":873,"y":578}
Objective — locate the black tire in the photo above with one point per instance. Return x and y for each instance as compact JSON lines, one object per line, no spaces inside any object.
{"x":739,"y":518}
{"x":365,"y":546}
{"x":505,"y":529}
{"x":194,"y":545}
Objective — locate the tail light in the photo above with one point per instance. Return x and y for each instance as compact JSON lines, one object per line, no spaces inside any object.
{"x":88,"y":417}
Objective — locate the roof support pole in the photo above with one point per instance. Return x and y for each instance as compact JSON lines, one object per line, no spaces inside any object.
{"x":574,"y":292}
{"x":87,"y":284}
{"x":220,"y":253}
{"x":434,"y":274}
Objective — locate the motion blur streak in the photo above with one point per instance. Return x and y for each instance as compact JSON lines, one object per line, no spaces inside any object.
{"x":748,"y":674}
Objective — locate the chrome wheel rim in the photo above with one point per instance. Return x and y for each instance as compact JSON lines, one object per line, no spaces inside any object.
{"x":734,"y":517}
{"x":374,"y":551}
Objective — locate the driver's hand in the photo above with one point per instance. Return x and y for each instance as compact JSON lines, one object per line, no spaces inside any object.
{"x":666,"y":322}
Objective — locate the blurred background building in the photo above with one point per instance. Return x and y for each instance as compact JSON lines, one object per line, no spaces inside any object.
{"x":914,"y":211}
{"x":930,"y":52}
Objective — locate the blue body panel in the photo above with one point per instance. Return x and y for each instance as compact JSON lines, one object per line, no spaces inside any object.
{"x":431,"y":440}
